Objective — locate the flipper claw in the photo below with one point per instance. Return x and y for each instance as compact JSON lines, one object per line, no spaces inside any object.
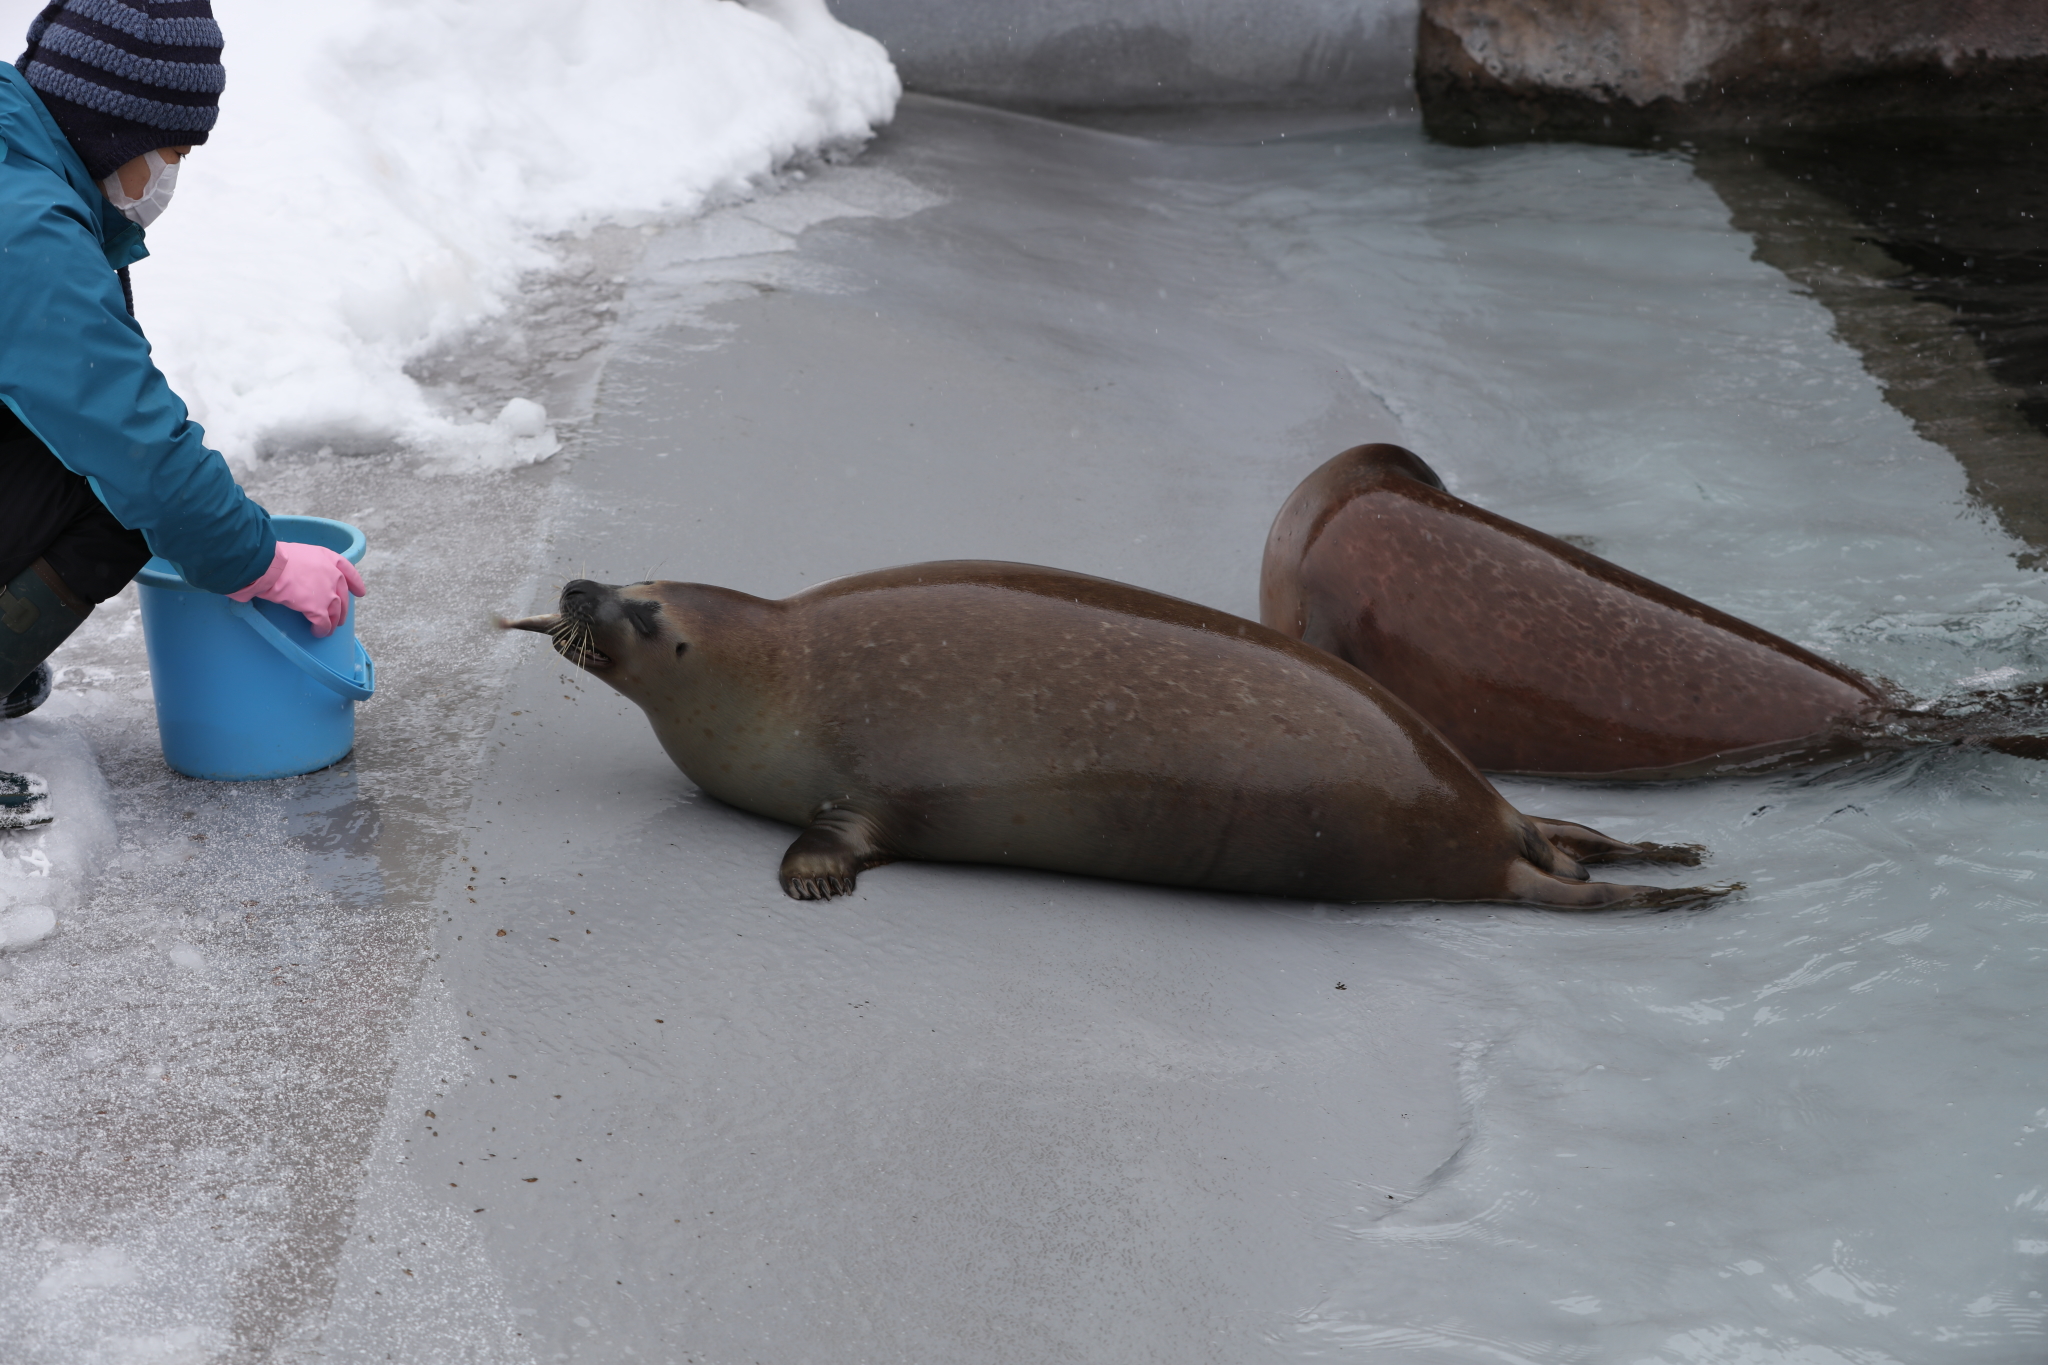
{"x":826,"y":858}
{"x":1683,"y":897}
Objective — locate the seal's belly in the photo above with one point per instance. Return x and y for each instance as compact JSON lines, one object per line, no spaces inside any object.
{"x":1342,"y":841}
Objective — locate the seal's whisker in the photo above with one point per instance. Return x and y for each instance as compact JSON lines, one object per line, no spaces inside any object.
{"x":582,"y":641}
{"x":572,"y":637}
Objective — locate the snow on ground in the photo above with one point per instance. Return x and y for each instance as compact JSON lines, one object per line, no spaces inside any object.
{"x":386,"y":172}
{"x":38,"y":867}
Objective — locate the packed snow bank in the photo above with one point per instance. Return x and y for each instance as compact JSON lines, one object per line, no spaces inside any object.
{"x":385,"y":171}
{"x":44,"y":869}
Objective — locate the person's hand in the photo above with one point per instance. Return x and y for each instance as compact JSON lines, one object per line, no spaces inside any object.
{"x":310,"y":579}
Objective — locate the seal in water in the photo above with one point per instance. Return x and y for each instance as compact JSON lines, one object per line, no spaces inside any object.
{"x":1001,"y":713}
{"x":1535,"y":657}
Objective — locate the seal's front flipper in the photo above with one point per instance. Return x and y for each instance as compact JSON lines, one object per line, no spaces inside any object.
{"x":1591,"y":846}
{"x":836,"y":846}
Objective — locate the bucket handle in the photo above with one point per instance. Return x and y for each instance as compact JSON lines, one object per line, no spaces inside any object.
{"x":345,"y":687}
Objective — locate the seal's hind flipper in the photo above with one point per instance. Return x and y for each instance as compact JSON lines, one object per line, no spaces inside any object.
{"x":2020,"y":746}
{"x":1683,"y":897}
{"x":2008,"y":720}
{"x":1530,"y":885}
{"x":1685,"y":855}
{"x":837,"y":845}
{"x":1591,"y":846}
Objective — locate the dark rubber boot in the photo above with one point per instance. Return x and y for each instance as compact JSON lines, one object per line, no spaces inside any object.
{"x":37,"y":613}
{"x":24,"y":801}
{"x":32,"y":692}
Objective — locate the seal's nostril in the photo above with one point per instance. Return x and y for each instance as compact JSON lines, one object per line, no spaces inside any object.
{"x":587,"y":600}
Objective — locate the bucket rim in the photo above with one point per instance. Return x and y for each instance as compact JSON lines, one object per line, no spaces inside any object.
{"x":161,"y":573}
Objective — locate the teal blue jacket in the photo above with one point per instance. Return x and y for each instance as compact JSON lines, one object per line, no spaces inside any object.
{"x":76,"y":370}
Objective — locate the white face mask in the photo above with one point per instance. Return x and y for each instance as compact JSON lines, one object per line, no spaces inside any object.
{"x":156,"y":191}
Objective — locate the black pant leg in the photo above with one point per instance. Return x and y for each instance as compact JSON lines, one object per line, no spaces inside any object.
{"x":49,"y":513}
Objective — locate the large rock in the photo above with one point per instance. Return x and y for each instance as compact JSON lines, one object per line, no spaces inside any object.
{"x":1631,"y":70}
{"x":1060,"y":56}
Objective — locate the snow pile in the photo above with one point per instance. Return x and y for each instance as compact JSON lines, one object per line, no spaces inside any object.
{"x":43,"y":869}
{"x":385,"y":171}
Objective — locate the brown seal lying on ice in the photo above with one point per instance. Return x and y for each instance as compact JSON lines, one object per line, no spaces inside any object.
{"x":1535,"y":657}
{"x":1001,"y":713}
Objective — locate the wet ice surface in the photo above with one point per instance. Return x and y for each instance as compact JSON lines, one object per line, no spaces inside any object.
{"x":996,"y":1116}
{"x":1795,"y":1128}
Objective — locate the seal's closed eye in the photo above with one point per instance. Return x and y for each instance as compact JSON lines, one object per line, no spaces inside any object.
{"x":642,"y":615}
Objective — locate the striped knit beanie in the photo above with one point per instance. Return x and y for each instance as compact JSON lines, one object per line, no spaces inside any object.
{"x":124,"y":77}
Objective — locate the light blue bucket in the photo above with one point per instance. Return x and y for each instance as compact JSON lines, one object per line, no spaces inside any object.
{"x":243,"y":690}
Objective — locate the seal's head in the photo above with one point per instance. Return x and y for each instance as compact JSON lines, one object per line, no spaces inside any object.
{"x":647,"y":640}
{"x":1283,"y":594}
{"x":620,"y":634}
{"x":706,"y":665}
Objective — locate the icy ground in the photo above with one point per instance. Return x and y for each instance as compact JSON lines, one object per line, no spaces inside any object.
{"x":498,"y":1043}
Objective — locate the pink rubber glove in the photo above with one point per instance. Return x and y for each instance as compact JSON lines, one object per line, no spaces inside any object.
{"x":310,"y":579}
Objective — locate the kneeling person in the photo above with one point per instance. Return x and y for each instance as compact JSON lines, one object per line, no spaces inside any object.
{"x":100,"y":466}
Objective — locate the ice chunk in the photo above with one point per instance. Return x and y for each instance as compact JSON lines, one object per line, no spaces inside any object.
{"x":519,"y":435}
{"x":22,"y":925}
{"x":522,"y":417}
